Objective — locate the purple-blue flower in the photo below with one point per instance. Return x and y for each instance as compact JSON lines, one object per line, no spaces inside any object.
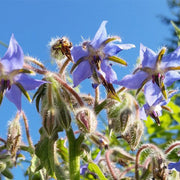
{"x":156,"y":70}
{"x":154,"y":109}
{"x":92,"y":57}
{"x":13,"y":80}
{"x":175,"y":166}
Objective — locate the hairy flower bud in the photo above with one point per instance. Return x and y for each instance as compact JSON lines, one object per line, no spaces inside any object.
{"x":60,"y":48}
{"x":133,"y":134}
{"x":49,"y":120}
{"x":86,"y":120}
{"x":122,"y":114}
{"x":64,"y":116}
{"x":14,"y":136}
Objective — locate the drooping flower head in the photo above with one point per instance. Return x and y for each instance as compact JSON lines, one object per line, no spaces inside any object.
{"x":156,"y":70}
{"x":92,"y":58}
{"x":155,"y":110}
{"x":13,"y":78}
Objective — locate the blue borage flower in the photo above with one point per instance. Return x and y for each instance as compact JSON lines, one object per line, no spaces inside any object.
{"x":92,"y":58}
{"x":155,"y":72}
{"x":175,"y":165}
{"x":13,"y":80}
{"x":155,"y":110}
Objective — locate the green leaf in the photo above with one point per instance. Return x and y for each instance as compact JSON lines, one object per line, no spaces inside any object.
{"x":62,"y":150}
{"x":7,"y":173}
{"x":177,"y":30}
{"x":35,"y":164}
{"x":45,"y":152}
{"x":95,"y":168}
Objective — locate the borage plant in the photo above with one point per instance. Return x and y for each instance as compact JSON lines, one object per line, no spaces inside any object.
{"x":130,"y":146}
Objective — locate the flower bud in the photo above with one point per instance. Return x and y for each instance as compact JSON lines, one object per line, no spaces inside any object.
{"x":122,"y":114}
{"x":86,"y":120}
{"x":54,"y":110}
{"x":133,"y":134}
{"x":99,"y":139}
{"x":49,"y":120}
{"x":64,"y":116}
{"x":14,"y":136}
{"x":60,"y":48}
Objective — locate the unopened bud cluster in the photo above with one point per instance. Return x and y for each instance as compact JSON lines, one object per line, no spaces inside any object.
{"x":54,"y":111}
{"x":124,"y":119}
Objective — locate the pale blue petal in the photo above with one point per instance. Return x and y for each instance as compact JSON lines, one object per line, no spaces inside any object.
{"x":147,"y":57}
{"x":133,"y":81}
{"x":29,"y":83}
{"x":14,"y":57}
{"x":82,"y":72}
{"x":142,"y":113}
{"x":83,"y":169}
{"x":101,"y":35}
{"x":171,"y":77}
{"x":96,"y":160}
{"x":152,"y":92}
{"x":172,"y":59}
{"x":14,"y":95}
{"x":126,"y":46}
{"x":110,"y":74}
{"x":112,"y":49}
{"x":77,"y":52}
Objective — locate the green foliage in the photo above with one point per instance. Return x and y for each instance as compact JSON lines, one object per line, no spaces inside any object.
{"x":177,"y":31}
{"x":94,"y":168}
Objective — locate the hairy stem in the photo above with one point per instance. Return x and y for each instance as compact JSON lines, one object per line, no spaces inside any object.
{"x":173,"y":146}
{"x":27,"y":130}
{"x":64,"y":66}
{"x":35,"y":61}
{"x":96,"y":96}
{"x":138,"y":155}
{"x":74,"y":154}
{"x":2,"y":140}
{"x":63,"y":83}
{"x":70,"y":89}
{"x":108,"y":152}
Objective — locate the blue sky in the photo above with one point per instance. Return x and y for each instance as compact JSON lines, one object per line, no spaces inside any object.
{"x":35,"y":22}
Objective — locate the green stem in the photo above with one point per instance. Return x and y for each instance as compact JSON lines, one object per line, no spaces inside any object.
{"x":74,"y":154}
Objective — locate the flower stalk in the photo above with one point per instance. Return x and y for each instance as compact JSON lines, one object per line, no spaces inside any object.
{"x":27,"y":130}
